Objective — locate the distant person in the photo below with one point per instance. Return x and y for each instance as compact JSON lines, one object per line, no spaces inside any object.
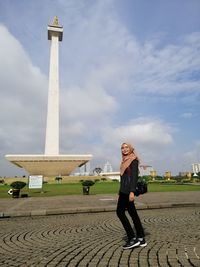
{"x":128,"y":181}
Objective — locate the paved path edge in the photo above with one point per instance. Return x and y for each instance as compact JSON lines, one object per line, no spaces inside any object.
{"x":45,"y":212}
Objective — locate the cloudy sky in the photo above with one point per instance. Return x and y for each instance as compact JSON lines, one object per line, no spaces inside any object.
{"x":129,"y":71}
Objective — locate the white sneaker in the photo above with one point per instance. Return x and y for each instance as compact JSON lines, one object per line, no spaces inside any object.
{"x":142,"y":241}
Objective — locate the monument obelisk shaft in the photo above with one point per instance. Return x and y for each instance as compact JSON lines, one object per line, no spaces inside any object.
{"x":55,"y":33}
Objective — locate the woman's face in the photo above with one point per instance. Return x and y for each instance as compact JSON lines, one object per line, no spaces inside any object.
{"x":125,"y":149}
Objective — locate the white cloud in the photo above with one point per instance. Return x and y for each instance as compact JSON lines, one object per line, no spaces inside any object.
{"x":23,"y":97}
{"x":114,"y":59}
{"x":146,"y":131}
{"x":168,"y":70}
{"x":90,"y":102}
{"x":187,"y":115}
{"x":193,"y":156}
{"x":148,"y":135}
{"x":18,"y":75}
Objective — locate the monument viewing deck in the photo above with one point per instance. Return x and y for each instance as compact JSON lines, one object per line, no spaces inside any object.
{"x":48,"y":165}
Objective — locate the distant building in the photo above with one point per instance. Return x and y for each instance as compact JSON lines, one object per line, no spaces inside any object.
{"x":196,"y":168}
{"x":83,"y":170}
{"x":185,"y":174}
{"x":108,"y":172}
{"x":145,"y":170}
{"x":153,"y":174}
{"x":168,"y":175}
{"x":107,"y":167}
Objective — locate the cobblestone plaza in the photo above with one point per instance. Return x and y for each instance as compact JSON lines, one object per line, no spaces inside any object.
{"x":96,"y":239}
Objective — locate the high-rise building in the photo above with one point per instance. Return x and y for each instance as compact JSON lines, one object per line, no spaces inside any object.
{"x":107,"y":167}
{"x":195,"y":168}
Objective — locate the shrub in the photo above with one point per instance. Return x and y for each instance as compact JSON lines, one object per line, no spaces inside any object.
{"x":162,"y":181}
{"x":58,"y":179}
{"x":18,"y":184}
{"x":145,"y":178}
{"x":186,"y":181}
{"x":88,"y":183}
{"x":158,"y":177}
{"x":171,"y":181}
{"x":195,"y":180}
{"x":178,"y":179}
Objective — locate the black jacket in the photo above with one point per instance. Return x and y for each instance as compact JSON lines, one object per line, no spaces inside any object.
{"x":128,"y":180}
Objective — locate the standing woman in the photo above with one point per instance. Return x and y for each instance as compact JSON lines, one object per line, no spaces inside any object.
{"x":129,"y":177}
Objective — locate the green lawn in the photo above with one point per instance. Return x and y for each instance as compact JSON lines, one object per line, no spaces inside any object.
{"x":172,"y":187}
{"x":98,"y":188}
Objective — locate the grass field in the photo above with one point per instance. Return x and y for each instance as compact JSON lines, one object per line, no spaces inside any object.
{"x":98,"y":188}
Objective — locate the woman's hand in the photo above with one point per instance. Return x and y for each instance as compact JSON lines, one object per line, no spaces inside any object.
{"x":131,"y":197}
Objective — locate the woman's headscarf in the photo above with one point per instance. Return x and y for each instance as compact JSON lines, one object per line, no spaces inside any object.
{"x":127,"y":159}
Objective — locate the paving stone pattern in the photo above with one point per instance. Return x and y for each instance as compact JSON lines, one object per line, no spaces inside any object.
{"x":96,"y":239}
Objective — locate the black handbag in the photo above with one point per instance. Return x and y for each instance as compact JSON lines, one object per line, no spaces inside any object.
{"x":141,"y":188}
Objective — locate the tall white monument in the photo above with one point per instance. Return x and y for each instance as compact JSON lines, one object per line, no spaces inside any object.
{"x":51,"y":163}
{"x":55,"y":33}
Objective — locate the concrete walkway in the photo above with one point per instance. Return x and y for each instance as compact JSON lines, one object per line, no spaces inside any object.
{"x":96,"y":240}
{"x":92,"y":203}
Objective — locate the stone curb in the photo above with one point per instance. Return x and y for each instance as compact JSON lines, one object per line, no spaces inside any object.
{"x":90,"y":210}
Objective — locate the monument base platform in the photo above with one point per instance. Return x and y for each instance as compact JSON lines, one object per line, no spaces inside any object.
{"x":49,"y":165}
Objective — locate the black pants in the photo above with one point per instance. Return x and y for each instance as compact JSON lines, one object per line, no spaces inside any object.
{"x":122,"y":205}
